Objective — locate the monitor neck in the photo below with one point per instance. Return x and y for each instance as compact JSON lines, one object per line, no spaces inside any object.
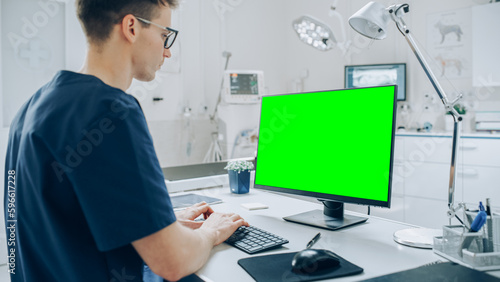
{"x":333,"y":209}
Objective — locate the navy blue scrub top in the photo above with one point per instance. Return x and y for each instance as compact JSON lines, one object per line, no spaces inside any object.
{"x":82,"y":181}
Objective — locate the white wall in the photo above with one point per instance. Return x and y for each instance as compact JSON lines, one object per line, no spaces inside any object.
{"x":256,"y":35}
{"x":32,"y":49}
{"x":326,"y":68}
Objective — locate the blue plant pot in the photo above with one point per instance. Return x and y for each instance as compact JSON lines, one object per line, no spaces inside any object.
{"x":239,"y":183}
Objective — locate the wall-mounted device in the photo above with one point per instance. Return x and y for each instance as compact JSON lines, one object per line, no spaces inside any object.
{"x":377,"y":75}
{"x":243,"y":86}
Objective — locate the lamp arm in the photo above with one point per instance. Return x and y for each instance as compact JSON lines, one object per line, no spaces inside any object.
{"x":335,"y":14}
{"x":416,"y":51}
{"x":453,"y":168}
{"x":345,"y":43}
{"x":448,"y":106}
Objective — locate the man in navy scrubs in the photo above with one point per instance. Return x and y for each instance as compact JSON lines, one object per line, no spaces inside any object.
{"x":85,"y":197}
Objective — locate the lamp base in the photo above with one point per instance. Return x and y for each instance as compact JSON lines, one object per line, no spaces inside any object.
{"x":417,"y":237}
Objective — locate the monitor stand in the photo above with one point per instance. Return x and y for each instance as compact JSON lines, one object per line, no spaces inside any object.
{"x":332,"y":217}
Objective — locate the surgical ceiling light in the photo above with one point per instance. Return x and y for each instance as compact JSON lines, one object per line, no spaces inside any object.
{"x":318,"y":34}
{"x":314,"y":32}
{"x":372,"y":21}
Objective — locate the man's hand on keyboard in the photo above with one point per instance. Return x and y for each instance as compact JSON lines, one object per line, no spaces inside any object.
{"x":187,"y":216}
{"x":224,"y":225}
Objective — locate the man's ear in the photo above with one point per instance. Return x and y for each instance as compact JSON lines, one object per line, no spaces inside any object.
{"x":129,"y":28}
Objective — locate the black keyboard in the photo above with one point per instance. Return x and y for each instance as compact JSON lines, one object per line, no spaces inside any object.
{"x":253,"y":240}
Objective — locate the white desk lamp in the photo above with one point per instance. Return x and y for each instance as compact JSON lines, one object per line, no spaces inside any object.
{"x":371,"y":21}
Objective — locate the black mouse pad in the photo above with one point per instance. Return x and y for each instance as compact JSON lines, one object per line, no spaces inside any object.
{"x":279,"y":268}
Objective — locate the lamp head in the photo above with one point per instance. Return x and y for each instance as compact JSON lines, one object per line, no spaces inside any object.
{"x":314,"y":32}
{"x":371,"y":21}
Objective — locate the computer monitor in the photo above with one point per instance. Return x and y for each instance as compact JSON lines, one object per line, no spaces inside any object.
{"x":377,"y":75}
{"x":336,"y":146}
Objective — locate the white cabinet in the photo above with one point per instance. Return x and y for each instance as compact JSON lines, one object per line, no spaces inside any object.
{"x":481,"y":170}
{"x":428,"y":157}
{"x":481,"y":151}
{"x":428,"y":149}
{"x":421,"y":177}
{"x":483,"y":183}
{"x":429,"y":181}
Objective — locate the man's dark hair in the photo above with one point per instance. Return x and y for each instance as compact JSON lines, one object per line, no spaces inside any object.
{"x":98,"y":16}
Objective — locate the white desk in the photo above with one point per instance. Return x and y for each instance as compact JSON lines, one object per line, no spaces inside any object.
{"x":369,"y":245}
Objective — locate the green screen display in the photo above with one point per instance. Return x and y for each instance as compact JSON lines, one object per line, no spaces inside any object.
{"x":335,"y":145}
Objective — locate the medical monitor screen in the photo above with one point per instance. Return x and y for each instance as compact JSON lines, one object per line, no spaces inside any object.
{"x":244,"y":84}
{"x":377,"y":75}
{"x":333,"y":145}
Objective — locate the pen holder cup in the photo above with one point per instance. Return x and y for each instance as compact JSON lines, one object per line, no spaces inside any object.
{"x":490,"y":230}
{"x":471,"y":248}
{"x":456,"y":238}
{"x":495,"y":219}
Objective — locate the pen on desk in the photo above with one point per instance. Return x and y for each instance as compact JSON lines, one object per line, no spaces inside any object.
{"x":313,"y":241}
{"x":481,"y":207}
{"x":488,"y":247}
{"x":488,"y":206}
{"x":485,"y":240}
{"x":478,"y":222}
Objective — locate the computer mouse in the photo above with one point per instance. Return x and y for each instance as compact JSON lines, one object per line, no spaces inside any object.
{"x":312,"y":261}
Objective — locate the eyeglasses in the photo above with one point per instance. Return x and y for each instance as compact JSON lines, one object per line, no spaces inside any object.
{"x":171,"y":36}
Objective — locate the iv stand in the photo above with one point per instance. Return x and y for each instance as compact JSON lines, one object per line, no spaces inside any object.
{"x":214,"y":153}
{"x":396,"y":16}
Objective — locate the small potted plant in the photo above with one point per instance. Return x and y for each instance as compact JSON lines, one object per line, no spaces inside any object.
{"x":239,"y":176}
